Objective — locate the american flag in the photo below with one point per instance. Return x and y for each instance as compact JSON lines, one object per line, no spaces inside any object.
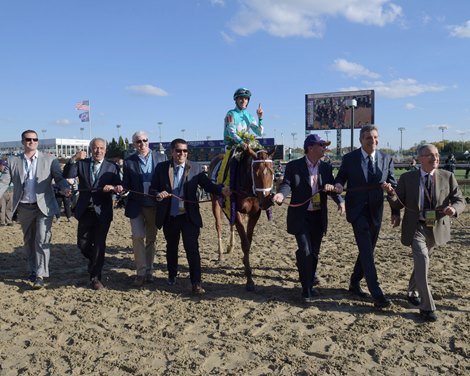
{"x":83,"y":106}
{"x":84,"y":117}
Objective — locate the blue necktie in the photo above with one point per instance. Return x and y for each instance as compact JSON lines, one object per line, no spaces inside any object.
{"x":174,"y":211}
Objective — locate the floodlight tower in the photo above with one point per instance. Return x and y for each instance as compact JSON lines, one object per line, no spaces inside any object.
{"x":442,"y":128}
{"x":401,"y":129}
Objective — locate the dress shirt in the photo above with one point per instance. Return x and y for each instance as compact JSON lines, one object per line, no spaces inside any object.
{"x":29,"y":185}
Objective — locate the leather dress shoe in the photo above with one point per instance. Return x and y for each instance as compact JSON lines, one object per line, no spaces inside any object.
{"x":197,"y":289}
{"x":138,"y":281}
{"x":317,"y":280}
{"x":149,"y":278}
{"x":171,"y":281}
{"x":96,"y":284}
{"x":358,"y":291}
{"x":414,"y":300}
{"x":382,"y":302}
{"x":38,"y":283}
{"x":428,"y":315}
{"x":32,"y":277}
{"x":309,"y":295}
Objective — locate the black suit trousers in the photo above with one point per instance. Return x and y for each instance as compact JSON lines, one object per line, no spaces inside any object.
{"x":91,"y":240}
{"x":366,"y":232}
{"x":309,"y":241}
{"x":173,"y":229}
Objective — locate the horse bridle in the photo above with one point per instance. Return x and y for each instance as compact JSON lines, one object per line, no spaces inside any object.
{"x":253,"y":162}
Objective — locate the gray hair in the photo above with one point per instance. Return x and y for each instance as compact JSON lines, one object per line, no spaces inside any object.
{"x":419,"y":150}
{"x":138,"y":134}
{"x":367,"y":128}
{"x":92,"y":142}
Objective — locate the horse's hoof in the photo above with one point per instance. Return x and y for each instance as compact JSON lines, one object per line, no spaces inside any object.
{"x":250,"y":287}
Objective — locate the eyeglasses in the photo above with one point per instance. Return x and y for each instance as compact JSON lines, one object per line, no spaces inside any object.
{"x":179,"y":151}
{"x":145,"y":140}
{"x":29,"y":139}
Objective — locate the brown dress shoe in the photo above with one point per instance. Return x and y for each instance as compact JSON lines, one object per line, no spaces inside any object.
{"x":197,"y":289}
{"x":96,"y":284}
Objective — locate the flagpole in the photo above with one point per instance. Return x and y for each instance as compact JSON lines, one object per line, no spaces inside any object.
{"x":89,"y":116}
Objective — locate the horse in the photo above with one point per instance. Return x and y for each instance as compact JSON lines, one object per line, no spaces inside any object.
{"x":254,"y":193}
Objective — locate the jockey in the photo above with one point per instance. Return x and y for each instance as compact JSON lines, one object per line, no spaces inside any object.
{"x":238,"y":122}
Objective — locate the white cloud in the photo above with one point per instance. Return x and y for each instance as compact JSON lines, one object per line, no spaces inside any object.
{"x":147,"y":90}
{"x":460,"y":31}
{"x":227,"y":38}
{"x":409,"y":106}
{"x":401,"y":88}
{"x":306,"y":18}
{"x":218,"y":2}
{"x":62,"y":122}
{"x":353,"y":70}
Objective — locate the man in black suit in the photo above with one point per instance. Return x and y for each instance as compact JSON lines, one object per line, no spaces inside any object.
{"x":175,"y":184}
{"x":309,"y":179}
{"x":140,"y":207}
{"x":98,"y":178}
{"x":366,"y":171}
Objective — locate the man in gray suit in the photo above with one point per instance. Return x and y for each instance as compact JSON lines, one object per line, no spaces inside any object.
{"x":430,"y":197}
{"x":141,"y":208}
{"x":32,"y":173}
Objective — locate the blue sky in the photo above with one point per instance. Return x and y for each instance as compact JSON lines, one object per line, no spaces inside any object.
{"x":178,"y":62}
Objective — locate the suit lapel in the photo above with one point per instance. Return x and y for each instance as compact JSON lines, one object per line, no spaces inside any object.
{"x":304,"y":170}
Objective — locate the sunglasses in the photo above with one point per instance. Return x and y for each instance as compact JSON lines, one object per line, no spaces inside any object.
{"x":29,"y":139}
{"x":145,"y":140}
{"x":179,"y":151}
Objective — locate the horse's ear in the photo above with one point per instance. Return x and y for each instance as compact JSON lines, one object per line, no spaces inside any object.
{"x":271,"y":152}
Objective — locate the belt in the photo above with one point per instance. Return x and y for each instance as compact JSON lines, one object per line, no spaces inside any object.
{"x":29,"y":203}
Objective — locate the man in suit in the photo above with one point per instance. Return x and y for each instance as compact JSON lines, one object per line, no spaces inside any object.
{"x":97,"y":179}
{"x":31,"y":174}
{"x":175,"y":184}
{"x":140,"y":207}
{"x":365,"y":170}
{"x":309,"y":179}
{"x":430,"y":197}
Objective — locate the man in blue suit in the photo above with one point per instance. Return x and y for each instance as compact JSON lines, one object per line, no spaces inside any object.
{"x":140,"y":207}
{"x":97,"y":179}
{"x":309,"y":179}
{"x":366,"y":171}
{"x":175,"y":184}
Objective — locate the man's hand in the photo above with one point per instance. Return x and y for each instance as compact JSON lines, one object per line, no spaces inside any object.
{"x":118,"y":188}
{"x":163,"y":194}
{"x":339,"y":188}
{"x":329,"y":188}
{"x":67,"y":192}
{"x":259,"y":112}
{"x":278,"y":198}
{"x":449,"y":210}
{"x":108,"y":188}
{"x":341,"y":208}
{"x":79,"y":155}
{"x":395,"y":220}
{"x":387,"y":187}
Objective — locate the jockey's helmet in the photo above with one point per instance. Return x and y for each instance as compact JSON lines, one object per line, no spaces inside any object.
{"x":242,"y":92}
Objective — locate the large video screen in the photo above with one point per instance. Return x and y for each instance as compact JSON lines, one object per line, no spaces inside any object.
{"x":330,"y":110}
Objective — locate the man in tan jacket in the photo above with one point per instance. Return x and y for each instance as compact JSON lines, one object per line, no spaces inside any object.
{"x":431,"y":197}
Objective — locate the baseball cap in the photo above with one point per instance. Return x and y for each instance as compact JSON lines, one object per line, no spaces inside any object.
{"x":3,"y":162}
{"x":313,"y":139}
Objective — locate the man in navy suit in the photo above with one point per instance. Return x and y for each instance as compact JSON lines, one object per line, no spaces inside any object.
{"x":309,"y":179}
{"x":367,"y":172}
{"x":97,"y":179}
{"x":175,"y":184}
{"x":140,"y":207}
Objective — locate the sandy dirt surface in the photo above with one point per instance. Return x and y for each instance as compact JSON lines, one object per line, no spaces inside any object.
{"x":69,"y":329}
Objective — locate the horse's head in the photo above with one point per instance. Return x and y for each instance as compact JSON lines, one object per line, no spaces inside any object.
{"x":263,"y":176}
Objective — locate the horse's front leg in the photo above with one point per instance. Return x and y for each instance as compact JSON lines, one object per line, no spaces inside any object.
{"x":245,"y":245}
{"x":232,"y":239}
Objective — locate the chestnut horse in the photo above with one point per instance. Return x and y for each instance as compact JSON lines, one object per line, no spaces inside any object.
{"x":255,"y":182}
